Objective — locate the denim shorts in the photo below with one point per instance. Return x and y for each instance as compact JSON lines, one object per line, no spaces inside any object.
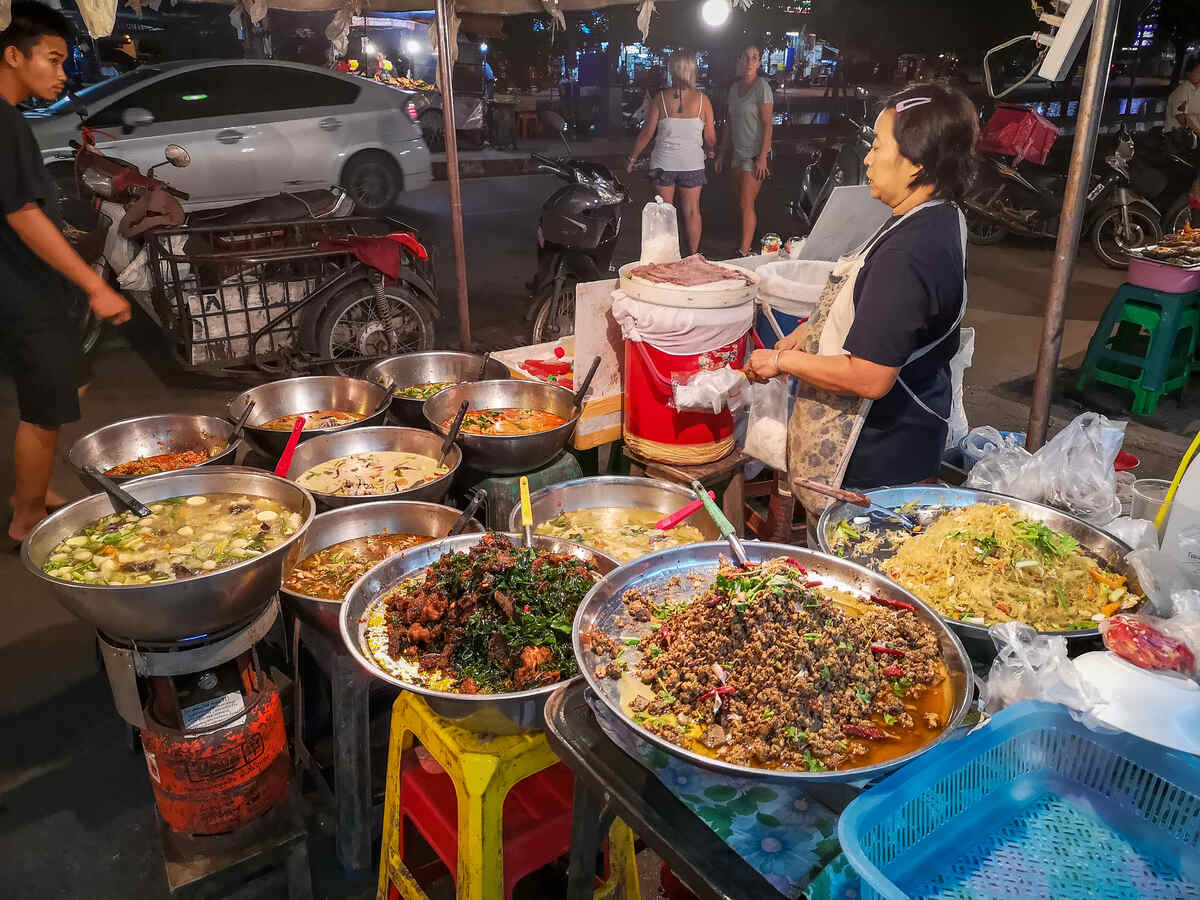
{"x":692,"y":179}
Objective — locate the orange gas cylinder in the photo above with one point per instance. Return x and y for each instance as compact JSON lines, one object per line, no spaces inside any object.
{"x":212,"y":782}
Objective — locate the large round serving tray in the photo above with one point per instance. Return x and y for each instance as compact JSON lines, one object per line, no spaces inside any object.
{"x":379,"y":438}
{"x":172,"y":610}
{"x":511,"y":713}
{"x":718,"y":295}
{"x":144,"y":436}
{"x":932,"y":500}
{"x":623,"y":491}
{"x":361,"y":520}
{"x":603,"y":607}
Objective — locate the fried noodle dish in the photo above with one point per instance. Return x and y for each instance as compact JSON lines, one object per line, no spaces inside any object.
{"x":769,"y":669}
{"x":987,"y":563}
{"x":494,"y":619}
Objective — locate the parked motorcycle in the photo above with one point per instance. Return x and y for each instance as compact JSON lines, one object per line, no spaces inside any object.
{"x":836,"y":164}
{"x":353,"y":313}
{"x":577,"y":234}
{"x":1164,"y":173}
{"x":1029,"y":202}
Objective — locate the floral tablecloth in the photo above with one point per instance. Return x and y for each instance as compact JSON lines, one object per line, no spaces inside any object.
{"x":788,"y":838}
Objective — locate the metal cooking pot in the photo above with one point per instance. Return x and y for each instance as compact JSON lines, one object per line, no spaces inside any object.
{"x":172,"y":610}
{"x":299,"y":395}
{"x":621,"y":491}
{"x":369,"y":440}
{"x":363,"y":520}
{"x":132,"y":439}
{"x":510,"y":713}
{"x":932,"y":500}
{"x":507,"y":455}
{"x":602,"y":609}
{"x":430,"y":367}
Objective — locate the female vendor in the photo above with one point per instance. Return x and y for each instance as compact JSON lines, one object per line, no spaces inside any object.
{"x":873,"y":362}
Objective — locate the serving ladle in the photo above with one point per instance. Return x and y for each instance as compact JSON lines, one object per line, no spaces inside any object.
{"x":723,"y":525}
{"x":121,"y":499}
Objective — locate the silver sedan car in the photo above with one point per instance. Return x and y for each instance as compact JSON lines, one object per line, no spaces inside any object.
{"x":253,"y":128}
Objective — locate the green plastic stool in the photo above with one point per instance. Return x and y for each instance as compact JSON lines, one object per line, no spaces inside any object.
{"x":1149,"y":368}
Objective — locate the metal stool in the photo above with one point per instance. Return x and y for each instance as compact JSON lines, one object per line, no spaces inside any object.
{"x":483,"y":769}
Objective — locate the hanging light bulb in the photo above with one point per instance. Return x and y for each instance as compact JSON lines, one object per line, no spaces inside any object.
{"x":413,"y":48}
{"x":715,"y":12}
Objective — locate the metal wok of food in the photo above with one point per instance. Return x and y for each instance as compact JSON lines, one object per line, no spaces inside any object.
{"x":497,"y":713}
{"x":382,"y":439}
{"x":413,"y":371}
{"x":193,"y":604}
{"x":610,"y":498}
{"x":1050,"y":532}
{"x":507,"y":454}
{"x":338,"y":526}
{"x":157,"y":442}
{"x":365,"y":400}
{"x":670,"y":582}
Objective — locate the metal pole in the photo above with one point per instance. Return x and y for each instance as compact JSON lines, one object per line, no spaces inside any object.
{"x":445,"y":72}
{"x":1087,"y":126}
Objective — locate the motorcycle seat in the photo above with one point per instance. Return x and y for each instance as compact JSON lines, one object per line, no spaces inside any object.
{"x":279,"y":208}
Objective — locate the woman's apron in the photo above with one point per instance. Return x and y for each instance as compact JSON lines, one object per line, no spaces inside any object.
{"x":825,"y":426}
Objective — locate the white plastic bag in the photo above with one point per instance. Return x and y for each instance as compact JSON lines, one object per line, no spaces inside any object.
{"x":1139,"y":534}
{"x":709,"y":390}
{"x":1002,"y":471}
{"x":766,"y":431}
{"x":793,"y":286}
{"x":958,"y":367}
{"x":1031,"y":666}
{"x":660,"y":232}
{"x":1170,"y":587}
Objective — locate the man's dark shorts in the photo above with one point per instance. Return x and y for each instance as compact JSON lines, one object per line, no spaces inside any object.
{"x":46,"y":362}
{"x":664,"y":178}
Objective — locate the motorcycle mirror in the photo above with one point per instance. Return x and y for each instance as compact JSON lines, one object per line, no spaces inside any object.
{"x":558,"y":125}
{"x":178,"y":157}
{"x":136,"y":117}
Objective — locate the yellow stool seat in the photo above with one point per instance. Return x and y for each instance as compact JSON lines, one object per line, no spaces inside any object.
{"x":483,"y":769}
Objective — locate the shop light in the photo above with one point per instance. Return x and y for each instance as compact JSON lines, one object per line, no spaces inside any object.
{"x":483,"y":48}
{"x":412,"y":48}
{"x":715,"y":12}
{"x":368,"y":48}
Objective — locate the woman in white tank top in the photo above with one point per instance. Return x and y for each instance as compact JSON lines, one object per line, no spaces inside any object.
{"x":682,"y":119}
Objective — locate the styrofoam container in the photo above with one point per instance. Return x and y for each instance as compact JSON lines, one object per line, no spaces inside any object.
{"x":1160,"y":277}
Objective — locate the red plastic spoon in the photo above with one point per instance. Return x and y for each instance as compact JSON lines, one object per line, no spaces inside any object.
{"x":666,"y":523}
{"x":285,"y":461}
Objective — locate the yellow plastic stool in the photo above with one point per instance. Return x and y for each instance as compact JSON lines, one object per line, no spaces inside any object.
{"x":483,"y":770}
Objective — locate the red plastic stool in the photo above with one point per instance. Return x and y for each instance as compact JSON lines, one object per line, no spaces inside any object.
{"x":527,"y":124}
{"x":537,"y":817}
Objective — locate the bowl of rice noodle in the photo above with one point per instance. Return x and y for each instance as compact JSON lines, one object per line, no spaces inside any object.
{"x":980,"y":558}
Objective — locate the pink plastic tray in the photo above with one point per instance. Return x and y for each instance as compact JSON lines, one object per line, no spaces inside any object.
{"x":1160,"y":277}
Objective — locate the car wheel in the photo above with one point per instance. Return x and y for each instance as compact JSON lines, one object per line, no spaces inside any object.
{"x":433,"y":129}
{"x":373,"y":179}
{"x":351,"y":327}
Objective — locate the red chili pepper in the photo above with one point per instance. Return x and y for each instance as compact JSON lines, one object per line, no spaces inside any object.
{"x":890,"y":651}
{"x":813,"y":583}
{"x":893,"y":672}
{"x":870,"y":732}
{"x":795,"y":564}
{"x":1004,"y":609}
{"x":713,"y":601}
{"x":560,"y":352}
{"x":664,"y":637}
{"x":715,"y":691}
{"x":894,"y":604}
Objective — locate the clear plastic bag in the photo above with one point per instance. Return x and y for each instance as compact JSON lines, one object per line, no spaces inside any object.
{"x":1139,"y":534}
{"x":1170,"y":588}
{"x":1032,"y":666}
{"x":1073,"y":471}
{"x":766,"y":431}
{"x":660,"y":232}
{"x":709,"y":390}
{"x":1168,"y":645}
{"x":959,"y":364}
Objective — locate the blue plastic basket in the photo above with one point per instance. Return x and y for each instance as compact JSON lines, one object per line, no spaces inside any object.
{"x":1033,"y":805}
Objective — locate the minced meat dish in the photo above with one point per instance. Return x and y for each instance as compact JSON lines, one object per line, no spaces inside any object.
{"x":767,"y":669}
{"x":494,"y":619}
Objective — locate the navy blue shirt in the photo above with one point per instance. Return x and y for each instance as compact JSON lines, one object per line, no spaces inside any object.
{"x":907,"y":295}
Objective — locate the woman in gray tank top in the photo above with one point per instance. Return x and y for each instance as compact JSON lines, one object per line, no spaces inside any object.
{"x":746,"y":138}
{"x":681,"y":124}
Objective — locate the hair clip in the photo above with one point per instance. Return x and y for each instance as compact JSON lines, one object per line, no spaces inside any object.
{"x":910,"y":102}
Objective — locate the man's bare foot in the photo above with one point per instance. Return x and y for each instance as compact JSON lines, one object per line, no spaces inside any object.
{"x":22,"y":524}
